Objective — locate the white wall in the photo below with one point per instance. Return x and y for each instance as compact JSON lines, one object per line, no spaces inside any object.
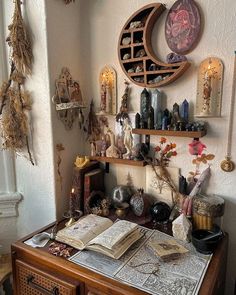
{"x":83,"y":36}
{"x":105,"y":21}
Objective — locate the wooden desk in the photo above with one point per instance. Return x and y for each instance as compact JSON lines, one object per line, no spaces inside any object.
{"x":35,"y":272}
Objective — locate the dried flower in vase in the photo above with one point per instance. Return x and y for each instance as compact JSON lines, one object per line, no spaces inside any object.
{"x":163,"y":152}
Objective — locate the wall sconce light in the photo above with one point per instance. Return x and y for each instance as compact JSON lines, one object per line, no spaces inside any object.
{"x":209,"y":88}
{"x":107,"y":82}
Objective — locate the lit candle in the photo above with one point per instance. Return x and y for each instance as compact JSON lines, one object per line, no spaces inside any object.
{"x":72,"y":201}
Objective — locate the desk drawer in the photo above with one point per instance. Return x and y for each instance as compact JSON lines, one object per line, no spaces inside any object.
{"x":32,"y":281}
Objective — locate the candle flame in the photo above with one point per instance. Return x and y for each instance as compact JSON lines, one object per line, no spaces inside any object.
{"x":73,"y":190}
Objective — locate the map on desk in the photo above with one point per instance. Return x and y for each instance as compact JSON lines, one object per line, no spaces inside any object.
{"x":141,"y":268}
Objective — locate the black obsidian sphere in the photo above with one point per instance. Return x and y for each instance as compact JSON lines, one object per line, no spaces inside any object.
{"x":160,"y":212}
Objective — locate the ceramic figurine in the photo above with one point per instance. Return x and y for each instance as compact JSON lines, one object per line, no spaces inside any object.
{"x":145,"y":105}
{"x":139,"y":69}
{"x":128,"y":138}
{"x":112,"y":151}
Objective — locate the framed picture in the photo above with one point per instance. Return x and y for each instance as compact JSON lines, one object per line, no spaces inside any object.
{"x":75,"y":92}
{"x":62,"y":91}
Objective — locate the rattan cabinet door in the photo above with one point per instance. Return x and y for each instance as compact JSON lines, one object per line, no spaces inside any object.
{"x":32,"y":281}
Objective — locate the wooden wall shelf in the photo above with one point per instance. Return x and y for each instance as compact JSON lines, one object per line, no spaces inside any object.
{"x":191,"y":134}
{"x":119,"y":161}
{"x":141,"y":39}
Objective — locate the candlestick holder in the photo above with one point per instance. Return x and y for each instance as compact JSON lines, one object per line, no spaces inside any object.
{"x":72,"y":214}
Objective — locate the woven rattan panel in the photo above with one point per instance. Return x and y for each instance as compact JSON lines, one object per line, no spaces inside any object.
{"x":40,"y":280}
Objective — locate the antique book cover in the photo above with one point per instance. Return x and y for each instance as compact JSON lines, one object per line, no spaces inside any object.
{"x":101,"y":235}
{"x":78,"y":181}
{"x":93,"y":181}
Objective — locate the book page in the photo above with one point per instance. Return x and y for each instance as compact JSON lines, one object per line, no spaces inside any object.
{"x":113,"y":235}
{"x":120,"y":248}
{"x":84,"y":230}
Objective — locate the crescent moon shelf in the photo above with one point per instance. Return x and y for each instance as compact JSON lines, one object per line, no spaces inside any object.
{"x":136,"y":56}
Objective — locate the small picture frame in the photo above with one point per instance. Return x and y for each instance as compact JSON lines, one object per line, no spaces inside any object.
{"x":75,"y":92}
{"x":62,"y":91}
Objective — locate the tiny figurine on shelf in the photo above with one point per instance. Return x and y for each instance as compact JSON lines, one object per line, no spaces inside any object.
{"x":128,"y":138}
{"x":81,"y":162}
{"x":93,"y":149}
{"x":123,"y":113}
{"x":131,"y":70}
{"x":112,"y":151}
{"x":174,"y":58}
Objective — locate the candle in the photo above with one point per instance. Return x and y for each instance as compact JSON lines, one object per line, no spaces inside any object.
{"x":73,"y":201}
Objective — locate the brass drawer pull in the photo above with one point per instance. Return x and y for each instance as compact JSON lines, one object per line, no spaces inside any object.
{"x":54,"y":291}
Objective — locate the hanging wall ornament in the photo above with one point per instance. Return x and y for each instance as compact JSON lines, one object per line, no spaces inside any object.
{"x":136,"y":54}
{"x":107,"y":81}
{"x":183,"y":26}
{"x":228,"y":165}
{"x":68,"y":99}
{"x":209,"y":88}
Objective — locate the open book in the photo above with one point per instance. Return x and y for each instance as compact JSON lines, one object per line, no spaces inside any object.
{"x":100,"y":234}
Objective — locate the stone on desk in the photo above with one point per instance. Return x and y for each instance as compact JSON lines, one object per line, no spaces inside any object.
{"x":181,"y":228}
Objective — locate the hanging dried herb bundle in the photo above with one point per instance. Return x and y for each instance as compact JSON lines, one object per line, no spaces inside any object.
{"x":14,"y":101}
{"x":21,"y":52}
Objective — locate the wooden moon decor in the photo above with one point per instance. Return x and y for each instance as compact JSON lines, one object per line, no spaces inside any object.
{"x":209,"y":88}
{"x":183,"y":26}
{"x":136,"y":55}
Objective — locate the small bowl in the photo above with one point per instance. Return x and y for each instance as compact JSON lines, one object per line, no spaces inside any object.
{"x":203,"y":242}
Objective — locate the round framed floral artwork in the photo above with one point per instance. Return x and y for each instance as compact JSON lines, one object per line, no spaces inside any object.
{"x":183,"y":26}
